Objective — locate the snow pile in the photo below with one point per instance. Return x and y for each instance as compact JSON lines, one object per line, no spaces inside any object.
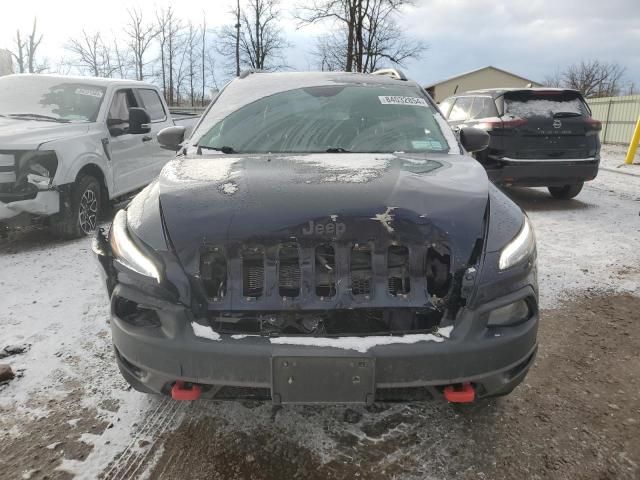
{"x":348,"y":167}
{"x":363,"y":344}
{"x":204,"y":170}
{"x":203,"y":331}
{"x":229,"y":188}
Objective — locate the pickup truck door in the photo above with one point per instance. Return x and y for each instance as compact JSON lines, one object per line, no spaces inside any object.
{"x":149,"y":99}
{"x":131,"y":154}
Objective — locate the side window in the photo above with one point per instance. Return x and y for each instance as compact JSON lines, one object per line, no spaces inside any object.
{"x":122,"y":101}
{"x":482,"y":107}
{"x":460,"y":109}
{"x":445,"y":105}
{"x":152,"y":104}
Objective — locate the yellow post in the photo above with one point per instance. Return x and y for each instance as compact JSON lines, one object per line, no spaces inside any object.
{"x":633,"y":146}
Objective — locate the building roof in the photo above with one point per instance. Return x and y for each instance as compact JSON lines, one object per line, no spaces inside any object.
{"x":478,"y":70}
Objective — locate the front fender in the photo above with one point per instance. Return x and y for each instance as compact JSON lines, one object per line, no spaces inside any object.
{"x":75,"y":153}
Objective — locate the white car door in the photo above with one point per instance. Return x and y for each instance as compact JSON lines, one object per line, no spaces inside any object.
{"x":150,"y":100}
{"x":131,"y":155}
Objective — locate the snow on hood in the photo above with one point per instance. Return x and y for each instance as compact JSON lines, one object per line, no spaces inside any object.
{"x":30,"y":134}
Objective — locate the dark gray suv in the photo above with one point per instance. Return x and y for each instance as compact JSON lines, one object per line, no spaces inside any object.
{"x":322,"y":238}
{"x":540,"y":137}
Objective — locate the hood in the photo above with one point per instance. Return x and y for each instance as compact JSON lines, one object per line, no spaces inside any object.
{"x":241,"y":200}
{"x":30,"y":134}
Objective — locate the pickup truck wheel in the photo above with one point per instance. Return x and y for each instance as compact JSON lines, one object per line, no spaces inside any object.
{"x":566,"y":191}
{"x":81,"y":209}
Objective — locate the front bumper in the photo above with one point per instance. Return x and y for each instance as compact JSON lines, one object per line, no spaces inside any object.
{"x":45,"y":203}
{"x":493,"y":359}
{"x":542,"y":172}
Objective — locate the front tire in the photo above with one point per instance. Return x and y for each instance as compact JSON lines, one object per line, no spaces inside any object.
{"x":80,"y":209}
{"x":566,"y":192}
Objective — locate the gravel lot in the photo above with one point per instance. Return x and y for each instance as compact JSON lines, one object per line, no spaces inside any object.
{"x":68,"y":413}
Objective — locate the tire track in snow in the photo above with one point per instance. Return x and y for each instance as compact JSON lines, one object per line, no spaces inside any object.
{"x":134,"y":457}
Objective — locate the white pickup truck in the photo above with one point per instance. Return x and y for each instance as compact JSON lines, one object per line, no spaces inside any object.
{"x":71,"y":145}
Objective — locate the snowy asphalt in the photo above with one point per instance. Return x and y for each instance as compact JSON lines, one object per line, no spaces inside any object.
{"x":53,"y":300}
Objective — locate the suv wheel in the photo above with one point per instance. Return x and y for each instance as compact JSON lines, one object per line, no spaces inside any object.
{"x":81,"y":209}
{"x":566,"y":191}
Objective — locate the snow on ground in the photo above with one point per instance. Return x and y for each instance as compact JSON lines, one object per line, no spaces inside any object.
{"x":53,"y":298}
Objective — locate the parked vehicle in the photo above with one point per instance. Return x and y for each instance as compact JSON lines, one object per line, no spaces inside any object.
{"x":69,"y":145}
{"x":323,"y":238}
{"x":540,"y":137}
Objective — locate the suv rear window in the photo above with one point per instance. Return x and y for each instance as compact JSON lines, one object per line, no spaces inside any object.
{"x":549,"y":104}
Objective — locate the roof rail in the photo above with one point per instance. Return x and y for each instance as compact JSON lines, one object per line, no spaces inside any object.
{"x":246,"y":73}
{"x":394,"y":73}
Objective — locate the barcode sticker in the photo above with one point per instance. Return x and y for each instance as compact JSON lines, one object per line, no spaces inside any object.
{"x":398,"y":100}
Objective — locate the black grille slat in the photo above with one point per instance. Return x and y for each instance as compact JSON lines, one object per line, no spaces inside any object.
{"x":398,"y":270}
{"x":289,"y":276}
{"x":361,"y":271}
{"x":253,"y":273}
{"x":325,"y":271}
{"x":288,"y":272}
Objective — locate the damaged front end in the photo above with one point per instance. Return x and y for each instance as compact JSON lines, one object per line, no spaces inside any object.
{"x":393,"y":286}
{"x":26,"y":184}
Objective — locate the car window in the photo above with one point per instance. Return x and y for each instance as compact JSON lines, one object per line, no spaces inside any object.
{"x":122,"y":101}
{"x":482,"y":107}
{"x":50,"y":98}
{"x":354,"y":118}
{"x":445,"y":105}
{"x":460,"y":109}
{"x":152,"y":104}
{"x":546,"y":103}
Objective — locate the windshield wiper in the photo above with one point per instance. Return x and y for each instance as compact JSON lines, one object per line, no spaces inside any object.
{"x":224,"y":149}
{"x":337,"y":150}
{"x":37,"y":116}
{"x":566,"y":114}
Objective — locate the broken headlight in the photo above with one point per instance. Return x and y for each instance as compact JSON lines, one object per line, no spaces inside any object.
{"x":127,"y":251}
{"x":521,"y":247}
{"x":37,"y":167}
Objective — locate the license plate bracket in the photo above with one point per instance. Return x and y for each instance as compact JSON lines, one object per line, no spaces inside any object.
{"x":330,"y":380}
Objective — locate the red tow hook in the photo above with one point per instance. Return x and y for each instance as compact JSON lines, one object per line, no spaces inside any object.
{"x":181,"y":392}
{"x":461,"y":393}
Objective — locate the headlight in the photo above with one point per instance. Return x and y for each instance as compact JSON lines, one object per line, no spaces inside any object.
{"x":523,"y":245}
{"x":127,"y":252}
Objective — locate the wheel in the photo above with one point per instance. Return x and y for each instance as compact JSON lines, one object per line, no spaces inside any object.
{"x":566,"y":191}
{"x":80,"y":209}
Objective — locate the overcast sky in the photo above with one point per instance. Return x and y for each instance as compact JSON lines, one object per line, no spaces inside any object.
{"x":531,"y":38}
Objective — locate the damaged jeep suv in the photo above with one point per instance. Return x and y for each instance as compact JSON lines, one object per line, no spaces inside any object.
{"x":322,"y":238}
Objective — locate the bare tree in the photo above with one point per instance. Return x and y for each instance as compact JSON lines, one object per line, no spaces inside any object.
{"x":91,"y":54}
{"x":192,"y":57}
{"x":26,"y":51}
{"x":19,"y":53}
{"x":237,"y":27}
{"x":592,"y":78}
{"x":203,"y":56}
{"x":140,"y":35}
{"x":170,"y":39}
{"x":364,"y":36}
{"x":260,"y":42}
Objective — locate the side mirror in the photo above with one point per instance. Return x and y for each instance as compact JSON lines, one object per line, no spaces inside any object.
{"x":474,"y":139}
{"x":138,"y":121}
{"x":170,"y":138}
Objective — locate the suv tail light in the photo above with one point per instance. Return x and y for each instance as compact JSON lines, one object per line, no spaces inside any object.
{"x":593,"y":124}
{"x":499,"y":124}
